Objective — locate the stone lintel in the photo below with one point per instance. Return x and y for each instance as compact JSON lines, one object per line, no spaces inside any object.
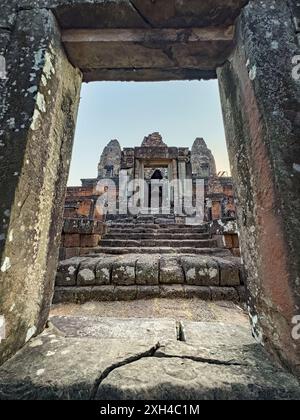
{"x":161,"y":49}
{"x":185,"y":35}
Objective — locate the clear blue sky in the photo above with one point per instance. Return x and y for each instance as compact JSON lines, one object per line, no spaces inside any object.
{"x":180,"y":111}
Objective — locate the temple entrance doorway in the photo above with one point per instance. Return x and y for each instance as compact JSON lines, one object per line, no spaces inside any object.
{"x":155,"y":192}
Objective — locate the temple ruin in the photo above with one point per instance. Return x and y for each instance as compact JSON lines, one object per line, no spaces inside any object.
{"x":154,"y":159}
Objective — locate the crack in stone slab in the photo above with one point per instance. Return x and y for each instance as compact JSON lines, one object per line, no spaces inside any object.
{"x":180,"y":331}
{"x":129,"y":360}
{"x":201,"y":360}
{"x":140,"y":14}
{"x":153,"y":353}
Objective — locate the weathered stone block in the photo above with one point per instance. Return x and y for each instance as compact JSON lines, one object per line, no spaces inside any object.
{"x":83,"y":226}
{"x":148,"y":292}
{"x":224,"y":293}
{"x":71,"y":240}
{"x":104,"y":269}
{"x":86,"y":251}
{"x":125,"y":292}
{"x":235,"y":241}
{"x":87,"y":272}
{"x":228,"y":241}
{"x":71,"y":252}
{"x":67,"y":272}
{"x":199,"y":292}
{"x":102,"y":293}
{"x":229,"y":272}
{"x":77,"y":295}
{"x":89,"y":241}
{"x":147,"y":270}
{"x":172,"y":291}
{"x":8,"y":13}
{"x":124,"y":271}
{"x":200,"y":271}
{"x":171,"y":271}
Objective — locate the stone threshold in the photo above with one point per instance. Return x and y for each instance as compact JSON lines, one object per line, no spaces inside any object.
{"x":86,"y":294}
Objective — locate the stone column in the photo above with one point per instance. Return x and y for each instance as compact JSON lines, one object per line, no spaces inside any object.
{"x":175,"y":183}
{"x":181,"y":181}
{"x":260,"y":92}
{"x":143,"y":193}
{"x":37,"y":119}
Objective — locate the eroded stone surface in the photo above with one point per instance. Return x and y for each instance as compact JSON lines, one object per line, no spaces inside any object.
{"x":52,"y":367}
{"x":216,"y":334}
{"x":110,"y":161}
{"x":37,"y":113}
{"x":261,"y":110}
{"x":203,"y":161}
{"x":178,"y":379}
{"x":162,"y":330}
{"x":82,"y":361}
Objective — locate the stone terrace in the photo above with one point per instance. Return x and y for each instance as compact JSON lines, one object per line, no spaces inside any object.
{"x":148,"y":257}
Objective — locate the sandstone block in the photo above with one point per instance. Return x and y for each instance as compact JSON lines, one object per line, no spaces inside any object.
{"x":228,"y":241}
{"x":200,"y":271}
{"x":148,"y":292}
{"x":78,"y":295}
{"x":171,"y":271}
{"x":67,"y":272}
{"x":71,"y":252}
{"x":125,"y":293}
{"x":104,"y":269}
{"x":123,"y":273}
{"x":229,"y":272}
{"x":147,"y":269}
{"x":199,"y":292}
{"x":71,"y":240}
{"x":87,"y":272}
{"x":89,"y":241}
{"x":225,"y":293}
{"x":172,"y":291}
{"x":235,"y":241}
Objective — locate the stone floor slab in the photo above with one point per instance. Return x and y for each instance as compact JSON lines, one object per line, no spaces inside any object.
{"x":213,"y":334}
{"x":70,"y":361}
{"x":52,"y":367}
{"x":162,"y":330}
{"x":184,"y":379}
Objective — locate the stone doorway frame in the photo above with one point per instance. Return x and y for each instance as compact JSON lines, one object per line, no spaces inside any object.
{"x":260,"y":93}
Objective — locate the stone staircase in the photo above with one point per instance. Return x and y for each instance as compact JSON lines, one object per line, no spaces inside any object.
{"x":157,"y":234}
{"x":151,"y":256}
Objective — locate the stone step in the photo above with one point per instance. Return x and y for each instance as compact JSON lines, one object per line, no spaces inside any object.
{"x":145,"y":269}
{"x":203,"y":228}
{"x":81,"y":295}
{"x":156,"y":235}
{"x":129,"y":243}
{"x":160,"y":250}
{"x":137,"y":230}
{"x":145,"y":219}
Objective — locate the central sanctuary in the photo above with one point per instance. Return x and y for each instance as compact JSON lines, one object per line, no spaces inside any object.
{"x":155,"y":160}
